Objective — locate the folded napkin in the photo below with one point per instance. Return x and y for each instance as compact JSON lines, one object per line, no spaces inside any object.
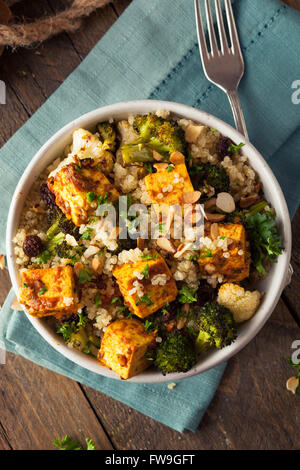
{"x":152,"y":52}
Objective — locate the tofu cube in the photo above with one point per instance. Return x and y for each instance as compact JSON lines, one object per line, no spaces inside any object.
{"x":123,"y":347}
{"x":71,"y":184}
{"x":146,"y":285}
{"x":167,"y":187}
{"x":49,"y":291}
{"x":235,"y":265}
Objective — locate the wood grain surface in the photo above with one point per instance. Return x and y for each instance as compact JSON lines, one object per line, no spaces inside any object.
{"x":251,"y":409}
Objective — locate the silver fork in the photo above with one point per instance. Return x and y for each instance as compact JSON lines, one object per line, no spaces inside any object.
{"x":224,"y":67}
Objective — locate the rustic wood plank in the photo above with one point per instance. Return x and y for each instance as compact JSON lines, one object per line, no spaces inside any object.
{"x":38,"y":406}
{"x":251,"y":409}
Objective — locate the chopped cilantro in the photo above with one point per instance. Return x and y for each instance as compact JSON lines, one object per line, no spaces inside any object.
{"x":87,"y":234}
{"x":85,"y":275}
{"x":170,"y":168}
{"x":91,"y":196}
{"x":206,"y":254}
{"x":187,"y":295}
{"x":44,"y":257}
{"x":25,"y":284}
{"x":149,"y":256}
{"x":145,"y":271}
{"x":145,"y":299}
{"x":235,"y":148}
{"x":42,"y":290}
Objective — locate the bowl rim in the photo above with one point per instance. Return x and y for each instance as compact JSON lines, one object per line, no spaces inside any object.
{"x":143,"y":106}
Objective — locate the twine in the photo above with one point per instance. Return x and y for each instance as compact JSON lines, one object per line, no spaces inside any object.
{"x":26,"y":34}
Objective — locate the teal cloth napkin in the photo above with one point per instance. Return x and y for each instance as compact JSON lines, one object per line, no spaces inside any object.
{"x":152,"y":52}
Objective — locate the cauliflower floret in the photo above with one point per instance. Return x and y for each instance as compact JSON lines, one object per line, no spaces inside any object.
{"x":242,"y":303}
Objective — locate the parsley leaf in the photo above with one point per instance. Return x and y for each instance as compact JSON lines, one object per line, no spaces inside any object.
{"x":187,"y":295}
{"x":145,"y":271}
{"x":67,"y":443}
{"x":85,"y":275}
{"x":42,"y":290}
{"x":97,"y":300}
{"x":235,"y":148}
{"x":87,"y":234}
{"x":145,"y":299}
{"x":149,"y":256}
{"x":91,"y":196}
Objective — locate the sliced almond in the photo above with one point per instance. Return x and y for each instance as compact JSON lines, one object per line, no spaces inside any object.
{"x":248,"y":201}
{"x":214,"y":217}
{"x":292,"y":384}
{"x":140,"y":243}
{"x":225,"y":202}
{"x":15,"y":305}
{"x":177,"y":157}
{"x":181,"y":322}
{"x":181,"y":250}
{"x":257,"y":187}
{"x":186,"y":308}
{"x":2,"y":262}
{"x":210,"y":268}
{"x":157,"y":156}
{"x":166,"y":244}
{"x":211,"y":203}
{"x":214,"y":231}
{"x":96,"y":264}
{"x":77,"y":268}
{"x":191,"y":198}
{"x":192,"y":132}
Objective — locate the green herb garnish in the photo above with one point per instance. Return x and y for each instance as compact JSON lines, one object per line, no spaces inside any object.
{"x":97,"y":300}
{"x":91,"y":196}
{"x":187,"y":295}
{"x":42,"y":290}
{"x":87,"y":234}
{"x":145,"y":299}
{"x":85,"y":275}
{"x":145,"y":271}
{"x":235,"y":148}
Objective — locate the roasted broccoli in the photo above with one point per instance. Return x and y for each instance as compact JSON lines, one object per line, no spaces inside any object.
{"x":60,"y":223}
{"x":212,"y":175}
{"x":216,"y":327}
{"x":175,"y":354}
{"x":108,"y":135}
{"x":155,"y":133}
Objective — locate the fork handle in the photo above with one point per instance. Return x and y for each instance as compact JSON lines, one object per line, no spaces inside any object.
{"x":237,"y":112}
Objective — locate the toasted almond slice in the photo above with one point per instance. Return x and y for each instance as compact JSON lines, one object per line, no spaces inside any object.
{"x":166,"y":244}
{"x":15,"y":305}
{"x":214,"y":231}
{"x":160,"y":166}
{"x":96,"y":263}
{"x":77,"y":268}
{"x":248,"y":201}
{"x":181,"y":250}
{"x":292,"y":384}
{"x":177,"y":157}
{"x":225,"y":202}
{"x":191,"y":198}
{"x":157,"y":156}
{"x":2,"y":262}
{"x":181,"y":322}
{"x":140,"y":243}
{"x":214,"y":217}
{"x":192,"y":132}
{"x":210,"y":268}
{"x":186,"y":308}
{"x":211,"y":203}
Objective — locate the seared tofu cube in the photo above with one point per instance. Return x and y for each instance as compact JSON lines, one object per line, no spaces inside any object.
{"x":167,"y":186}
{"x":146,"y":285}
{"x":123,"y":347}
{"x":232,"y":264}
{"x":49,"y":291}
{"x":71,"y":185}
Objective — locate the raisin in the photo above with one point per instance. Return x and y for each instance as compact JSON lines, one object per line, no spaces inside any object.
{"x":223,"y":145}
{"x":32,"y":245}
{"x":47,"y":196}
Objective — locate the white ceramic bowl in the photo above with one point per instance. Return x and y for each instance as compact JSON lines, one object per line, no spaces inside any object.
{"x":272,"y":286}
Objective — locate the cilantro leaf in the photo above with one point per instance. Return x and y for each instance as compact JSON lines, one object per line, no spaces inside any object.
{"x":187,"y":295}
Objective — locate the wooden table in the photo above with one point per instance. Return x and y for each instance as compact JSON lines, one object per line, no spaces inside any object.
{"x":252,"y":408}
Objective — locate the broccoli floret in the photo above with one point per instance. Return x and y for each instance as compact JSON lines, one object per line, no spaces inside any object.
{"x":63,"y":250}
{"x":108,"y":135}
{"x":216,"y":327}
{"x":155,"y":133}
{"x":137,"y":152}
{"x":175,"y":354}
{"x":51,"y":245}
{"x":60,"y":223}
{"x":211,"y":175}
